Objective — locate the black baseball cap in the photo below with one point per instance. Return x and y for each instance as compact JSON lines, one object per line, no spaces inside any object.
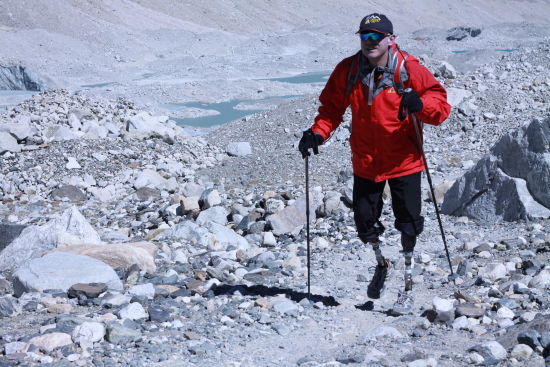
{"x":376,"y":22}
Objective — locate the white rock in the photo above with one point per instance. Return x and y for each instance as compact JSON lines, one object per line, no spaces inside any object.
{"x":461,"y":323}
{"x":60,"y":270}
{"x":134,"y":311}
{"x":285,"y":306}
{"x":211,"y":198}
{"x":143,"y":290}
{"x":269,"y":239}
{"x":190,"y":203}
{"x":51,"y":341}
{"x":216,"y":214}
{"x":493,"y":271}
{"x":541,"y":280}
{"x":238,"y":149}
{"x":521,"y":352}
{"x":8,"y":143}
{"x":320,"y":242}
{"x":444,"y":309}
{"x":14,"y":347}
{"x":149,"y":178}
{"x":88,"y":333}
{"x":68,"y":228}
{"x":505,"y":313}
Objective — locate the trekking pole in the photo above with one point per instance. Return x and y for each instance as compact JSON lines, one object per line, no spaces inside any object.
{"x":307,"y":229}
{"x":421,"y":150}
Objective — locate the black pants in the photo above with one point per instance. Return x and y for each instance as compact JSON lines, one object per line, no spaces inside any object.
{"x":406,"y":204}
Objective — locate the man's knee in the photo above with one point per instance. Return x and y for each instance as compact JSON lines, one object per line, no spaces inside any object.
{"x":411,"y":229}
{"x":372,"y":232}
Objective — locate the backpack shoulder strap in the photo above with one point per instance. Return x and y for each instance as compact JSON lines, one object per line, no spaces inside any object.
{"x":352,"y":78}
{"x":400,"y":75}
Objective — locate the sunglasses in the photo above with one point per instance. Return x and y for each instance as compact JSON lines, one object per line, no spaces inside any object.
{"x":374,"y":36}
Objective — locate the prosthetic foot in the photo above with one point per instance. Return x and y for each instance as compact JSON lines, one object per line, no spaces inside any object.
{"x":377,"y":285}
{"x":405,"y":301}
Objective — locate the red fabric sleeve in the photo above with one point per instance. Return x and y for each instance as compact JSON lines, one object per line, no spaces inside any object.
{"x":433,"y":95}
{"x":333,"y":100}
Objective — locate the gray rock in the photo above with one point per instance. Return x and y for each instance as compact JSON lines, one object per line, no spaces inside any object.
{"x":192,"y":189}
{"x":469,"y":310}
{"x":134,"y":311}
{"x":60,"y":270}
{"x":7,"y":307}
{"x":292,"y":218}
{"x":238,"y":149}
{"x":92,"y":290}
{"x":157,"y":314}
{"x":68,"y":192}
{"x":459,"y":33}
{"x":147,"y":193}
{"x":509,"y":183}
{"x":530,"y":337}
{"x":8,"y":232}
{"x":17,"y":77}
{"x":67,"y":229}
{"x":8,"y":143}
{"x":491,"y":351}
{"x":118,"y":334}
{"x":20,"y":130}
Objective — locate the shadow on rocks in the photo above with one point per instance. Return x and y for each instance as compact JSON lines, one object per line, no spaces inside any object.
{"x":264,"y":291}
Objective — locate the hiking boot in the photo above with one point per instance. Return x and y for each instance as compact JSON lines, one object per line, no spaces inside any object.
{"x":378,"y":282}
{"x":403,"y":305}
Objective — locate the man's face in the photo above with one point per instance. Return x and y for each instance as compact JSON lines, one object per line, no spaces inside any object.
{"x":375,"y":44}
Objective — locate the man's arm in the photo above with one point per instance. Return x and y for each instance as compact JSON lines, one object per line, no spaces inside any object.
{"x":434,"y":97}
{"x":333,"y":101}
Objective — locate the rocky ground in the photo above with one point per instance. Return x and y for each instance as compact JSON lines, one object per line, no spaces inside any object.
{"x":126,"y":242}
{"x":206,"y":252}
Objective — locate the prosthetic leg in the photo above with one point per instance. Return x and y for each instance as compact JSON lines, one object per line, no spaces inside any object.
{"x":377,"y":284}
{"x":405,"y":301}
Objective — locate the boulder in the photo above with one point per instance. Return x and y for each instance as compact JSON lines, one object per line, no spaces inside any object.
{"x":459,"y":33}
{"x":8,"y":143}
{"x":510,"y":183}
{"x":20,"y":130}
{"x":121,"y":255}
{"x":216,"y":214}
{"x":70,"y":228}
{"x":51,"y":341}
{"x":144,"y":123}
{"x":60,"y":270}
{"x":68,"y":192}
{"x":8,"y":232}
{"x":292,"y":218}
{"x":238,"y":149}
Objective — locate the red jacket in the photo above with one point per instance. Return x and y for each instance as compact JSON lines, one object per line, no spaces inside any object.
{"x":382,"y":146}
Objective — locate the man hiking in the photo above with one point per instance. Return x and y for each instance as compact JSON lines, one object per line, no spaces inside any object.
{"x":383,"y":86}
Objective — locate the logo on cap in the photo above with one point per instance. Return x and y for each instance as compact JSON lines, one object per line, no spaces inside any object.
{"x":373,"y":19}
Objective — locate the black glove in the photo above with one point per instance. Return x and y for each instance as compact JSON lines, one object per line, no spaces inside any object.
{"x":410,"y":103}
{"x":310,"y":140}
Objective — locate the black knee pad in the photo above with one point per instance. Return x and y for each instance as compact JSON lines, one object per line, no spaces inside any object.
{"x":411,"y":229}
{"x":372,"y":233}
